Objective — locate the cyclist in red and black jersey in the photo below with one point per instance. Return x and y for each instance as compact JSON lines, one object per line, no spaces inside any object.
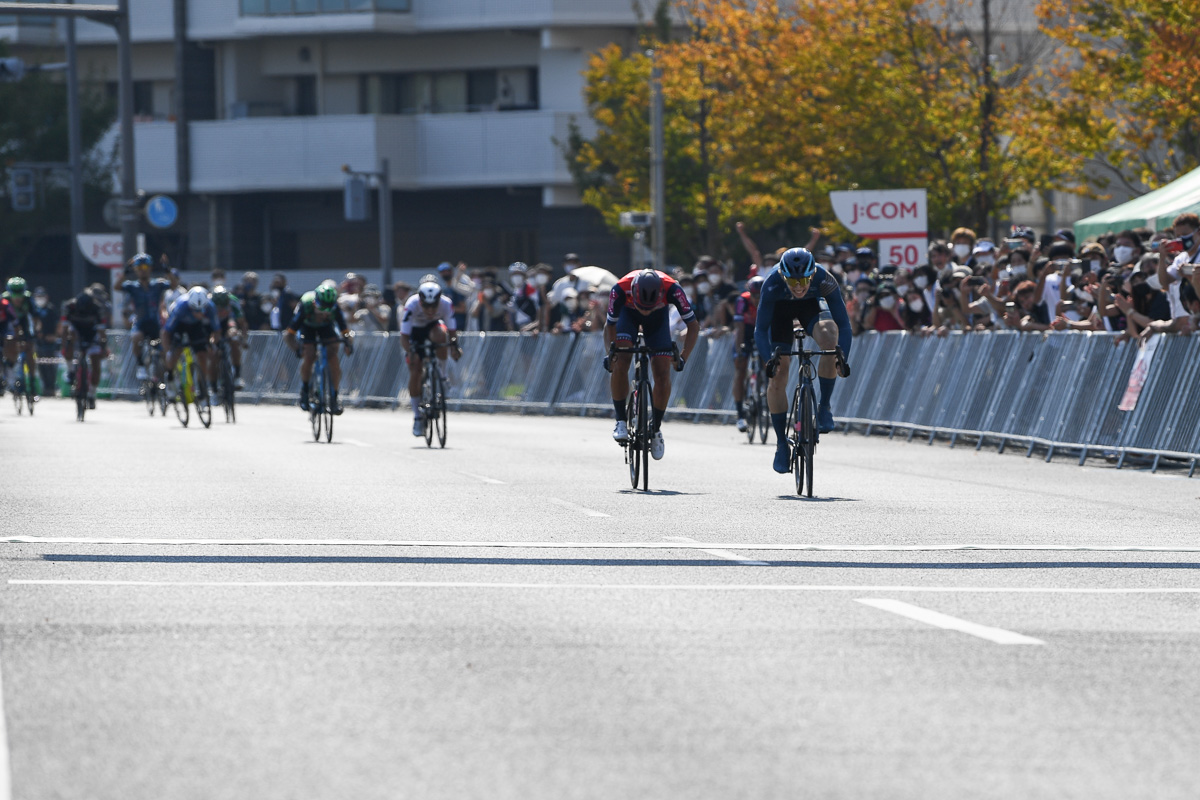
{"x":744,"y":316}
{"x":639,"y":301}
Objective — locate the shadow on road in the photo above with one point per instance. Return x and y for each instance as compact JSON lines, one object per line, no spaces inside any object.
{"x":800,"y":499}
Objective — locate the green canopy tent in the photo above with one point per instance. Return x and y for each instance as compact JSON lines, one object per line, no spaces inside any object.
{"x":1156,"y":209}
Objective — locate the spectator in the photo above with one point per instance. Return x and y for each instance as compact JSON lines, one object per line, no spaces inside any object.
{"x":924,"y":279}
{"x":963,"y":242}
{"x":174,"y":291}
{"x":917,"y":318}
{"x":567,"y":316}
{"x":401,"y":291}
{"x":1052,"y":277}
{"x":1127,"y":249}
{"x":885,"y":313}
{"x":255,"y":306}
{"x":523,"y":301}
{"x":45,"y":320}
{"x":539,"y":277}
{"x":570,"y":263}
{"x":983,"y":256}
{"x":283,"y":301}
{"x":948,"y":312}
{"x":1145,"y":304}
{"x":491,"y":312}
{"x":458,"y":288}
{"x":1025,"y":313}
{"x":1065,"y":235}
{"x":866,"y":260}
{"x":594,"y":304}
{"x":859,"y":304}
{"x":1094,"y":257}
{"x":1178,"y":275}
{"x":374,"y":316}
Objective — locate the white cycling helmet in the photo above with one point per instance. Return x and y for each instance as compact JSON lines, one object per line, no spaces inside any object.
{"x":430,"y":293}
{"x":197,"y":298}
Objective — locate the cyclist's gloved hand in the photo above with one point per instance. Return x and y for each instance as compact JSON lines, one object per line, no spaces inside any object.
{"x":679,"y":362}
{"x":607,"y":364}
{"x":772,"y":367}
{"x":843,"y":369}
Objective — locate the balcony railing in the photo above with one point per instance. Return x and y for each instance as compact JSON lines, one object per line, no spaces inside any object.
{"x":287,"y":8}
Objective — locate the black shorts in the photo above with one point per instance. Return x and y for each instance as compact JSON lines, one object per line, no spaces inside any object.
{"x":420,"y":335}
{"x":194,"y":336}
{"x":807,"y":311}
{"x":655,"y":326}
{"x":326,"y":334}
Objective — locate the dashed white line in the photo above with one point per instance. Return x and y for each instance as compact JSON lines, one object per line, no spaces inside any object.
{"x":721,"y":553}
{"x":482,"y":478}
{"x":641,"y":587}
{"x":947,"y":622}
{"x":572,"y":507}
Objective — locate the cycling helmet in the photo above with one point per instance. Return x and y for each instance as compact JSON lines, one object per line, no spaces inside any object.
{"x":755,"y":283}
{"x":197,"y":298}
{"x":647,"y":290}
{"x":326,"y":295}
{"x":797,"y":267}
{"x":17,"y":286}
{"x":430,"y":293}
{"x":141,"y":260}
{"x":220,"y":296}
{"x":518,"y":266}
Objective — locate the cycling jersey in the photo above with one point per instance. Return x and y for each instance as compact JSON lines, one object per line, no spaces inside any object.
{"x":181,"y":316}
{"x":86,"y":321}
{"x":778,"y":307}
{"x":145,"y":299}
{"x":746,"y":310}
{"x":415,"y":315}
{"x":15,"y":320}
{"x":309,"y":316}
{"x":233,"y":311}
{"x":618,"y":298}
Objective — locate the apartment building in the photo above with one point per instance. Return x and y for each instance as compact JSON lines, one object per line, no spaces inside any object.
{"x":468,"y":100}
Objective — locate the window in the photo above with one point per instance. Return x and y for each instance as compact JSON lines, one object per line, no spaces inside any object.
{"x":448,"y":92}
{"x":306,"y":96}
{"x":261,"y":8}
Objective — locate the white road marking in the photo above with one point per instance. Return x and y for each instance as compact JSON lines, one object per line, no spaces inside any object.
{"x":5,"y":766}
{"x":939,"y":620}
{"x":356,"y":443}
{"x":656,"y":587}
{"x":769,"y":546}
{"x":483,"y":478}
{"x":571,"y":506}
{"x":721,"y":553}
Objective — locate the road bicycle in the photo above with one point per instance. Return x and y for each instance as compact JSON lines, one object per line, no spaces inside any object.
{"x":802,"y":412}
{"x":23,"y":392}
{"x":320,"y":399}
{"x":83,"y":379}
{"x":433,"y":396}
{"x":638,"y":412}
{"x":225,"y":379}
{"x":193,"y":389}
{"x":150,"y":389}
{"x":758,"y":416}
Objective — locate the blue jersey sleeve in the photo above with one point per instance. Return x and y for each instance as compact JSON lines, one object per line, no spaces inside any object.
{"x":210,"y":316}
{"x":766,"y":314}
{"x":174,"y":314}
{"x":837,"y":310}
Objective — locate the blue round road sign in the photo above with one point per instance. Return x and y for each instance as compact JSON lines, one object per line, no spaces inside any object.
{"x":161,"y":211}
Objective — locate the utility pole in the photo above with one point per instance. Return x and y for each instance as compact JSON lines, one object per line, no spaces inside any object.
{"x":382,"y":180}
{"x":658,"y":200}
{"x":75,"y":156}
{"x":183,"y":147}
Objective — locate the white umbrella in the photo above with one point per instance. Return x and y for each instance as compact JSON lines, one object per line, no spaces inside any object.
{"x":581,"y":279}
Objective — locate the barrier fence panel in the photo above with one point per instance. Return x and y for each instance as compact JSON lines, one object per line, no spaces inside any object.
{"x":1058,"y":390}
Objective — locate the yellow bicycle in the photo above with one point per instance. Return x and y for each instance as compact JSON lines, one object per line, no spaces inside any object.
{"x":193,"y":390}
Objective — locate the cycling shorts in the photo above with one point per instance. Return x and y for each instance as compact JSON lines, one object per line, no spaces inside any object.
{"x":326,"y":334}
{"x":194,"y":335}
{"x":655,"y":327}
{"x":418,"y":336}
{"x":148,"y":326}
{"x":747,"y":343}
{"x":807,"y":311}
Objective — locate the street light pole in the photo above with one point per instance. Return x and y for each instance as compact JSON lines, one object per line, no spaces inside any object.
{"x":129,"y":201}
{"x":386,"y":239}
{"x":657,"y":167}
{"x":75,"y":147}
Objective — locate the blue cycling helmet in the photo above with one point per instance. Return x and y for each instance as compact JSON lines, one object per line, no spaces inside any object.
{"x":797,"y":264}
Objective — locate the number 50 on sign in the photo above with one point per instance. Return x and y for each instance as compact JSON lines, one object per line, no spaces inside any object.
{"x":908,"y":253}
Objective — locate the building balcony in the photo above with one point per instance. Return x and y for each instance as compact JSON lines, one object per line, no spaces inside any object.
{"x":279,"y":154}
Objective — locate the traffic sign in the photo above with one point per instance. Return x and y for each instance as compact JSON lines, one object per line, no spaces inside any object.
{"x":161,"y":211}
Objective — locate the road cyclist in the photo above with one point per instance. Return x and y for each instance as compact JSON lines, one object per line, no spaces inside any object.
{"x":427,"y":316}
{"x":744,"y":315}
{"x":232,"y":328}
{"x":790,"y":295}
{"x":146,"y":296}
{"x":319,"y":319}
{"x":84,"y":329}
{"x":192,"y":321}
{"x":18,"y":330}
{"x":640,"y":301}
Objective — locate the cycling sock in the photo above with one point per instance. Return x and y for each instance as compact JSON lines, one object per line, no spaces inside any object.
{"x":416,"y":405}
{"x":779,"y":423}
{"x":237,"y":371}
{"x":740,"y":410}
{"x":619,"y":405}
{"x":304,"y":388}
{"x":657,"y":417}
{"x":827,"y":385}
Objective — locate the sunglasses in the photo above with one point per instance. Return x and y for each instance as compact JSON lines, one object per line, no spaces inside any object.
{"x":797,"y":283}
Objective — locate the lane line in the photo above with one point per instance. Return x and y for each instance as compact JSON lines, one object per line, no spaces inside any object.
{"x":572,"y":507}
{"x":5,"y":764}
{"x":721,"y":553}
{"x":663,"y":587}
{"x":947,"y":622}
{"x":768,"y":546}
{"x":355,"y":442}
{"x":483,"y":478}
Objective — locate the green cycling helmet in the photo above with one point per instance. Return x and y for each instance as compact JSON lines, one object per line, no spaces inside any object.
{"x":17,"y":286}
{"x":220,"y":297}
{"x":326,"y":295}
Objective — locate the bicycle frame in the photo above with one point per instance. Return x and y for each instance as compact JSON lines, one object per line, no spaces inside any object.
{"x":803,"y":435}
{"x":637,"y":414}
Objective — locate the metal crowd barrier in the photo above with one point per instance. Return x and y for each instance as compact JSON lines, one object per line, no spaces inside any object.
{"x":1057,"y":391}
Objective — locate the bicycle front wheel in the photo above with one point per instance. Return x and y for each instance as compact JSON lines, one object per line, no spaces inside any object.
{"x":632,"y":451}
{"x":793,"y":434}
{"x":808,"y":436}
{"x":439,"y":417}
{"x":327,"y":405}
{"x":203,"y":402}
{"x":644,"y":431}
{"x":764,"y":412}
{"x":227,"y":388}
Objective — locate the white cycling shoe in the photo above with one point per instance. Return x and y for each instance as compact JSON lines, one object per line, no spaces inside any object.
{"x":621,"y":432}
{"x":741,"y":425}
{"x":142,"y":374}
{"x":657,"y":446}
{"x":418,"y":425}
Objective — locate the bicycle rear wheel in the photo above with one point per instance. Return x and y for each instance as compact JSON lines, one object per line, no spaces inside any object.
{"x":81,"y":388}
{"x":18,"y":391}
{"x":764,"y":412}
{"x":439,"y":417}
{"x":203,"y":402}
{"x":808,"y":435}
{"x":327,"y":405}
{"x":315,"y":417}
{"x":429,"y":401}
{"x":632,"y":454}
{"x":644,"y":431}
{"x":750,"y":407}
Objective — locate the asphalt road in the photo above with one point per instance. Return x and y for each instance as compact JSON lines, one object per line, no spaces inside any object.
{"x":552,"y":645}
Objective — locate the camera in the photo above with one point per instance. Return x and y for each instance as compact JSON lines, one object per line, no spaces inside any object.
{"x":1174,"y":247}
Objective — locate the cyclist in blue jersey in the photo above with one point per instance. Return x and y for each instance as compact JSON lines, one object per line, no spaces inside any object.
{"x":191,"y":321}
{"x":792,"y":293}
{"x":146,"y":296}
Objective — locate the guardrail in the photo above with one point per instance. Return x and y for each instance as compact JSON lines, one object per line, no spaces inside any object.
{"x":1058,"y":391}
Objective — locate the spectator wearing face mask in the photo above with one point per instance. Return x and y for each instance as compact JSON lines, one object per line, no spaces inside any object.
{"x":948,"y":313}
{"x":963,"y":243}
{"x":703,"y":305}
{"x":1051,"y":280}
{"x":885,"y":312}
{"x":283,"y":302}
{"x":1176,"y":273}
{"x":1024,"y":312}
{"x":374,"y":315}
{"x":255,"y":306}
{"x":859,"y":304}
{"x":917,"y":318}
{"x":923,"y":280}
{"x":1127,"y":249}
{"x":865,"y":259}
{"x":983,"y":256}
{"x":564,"y":315}
{"x":523,"y":303}
{"x":1145,"y":304}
